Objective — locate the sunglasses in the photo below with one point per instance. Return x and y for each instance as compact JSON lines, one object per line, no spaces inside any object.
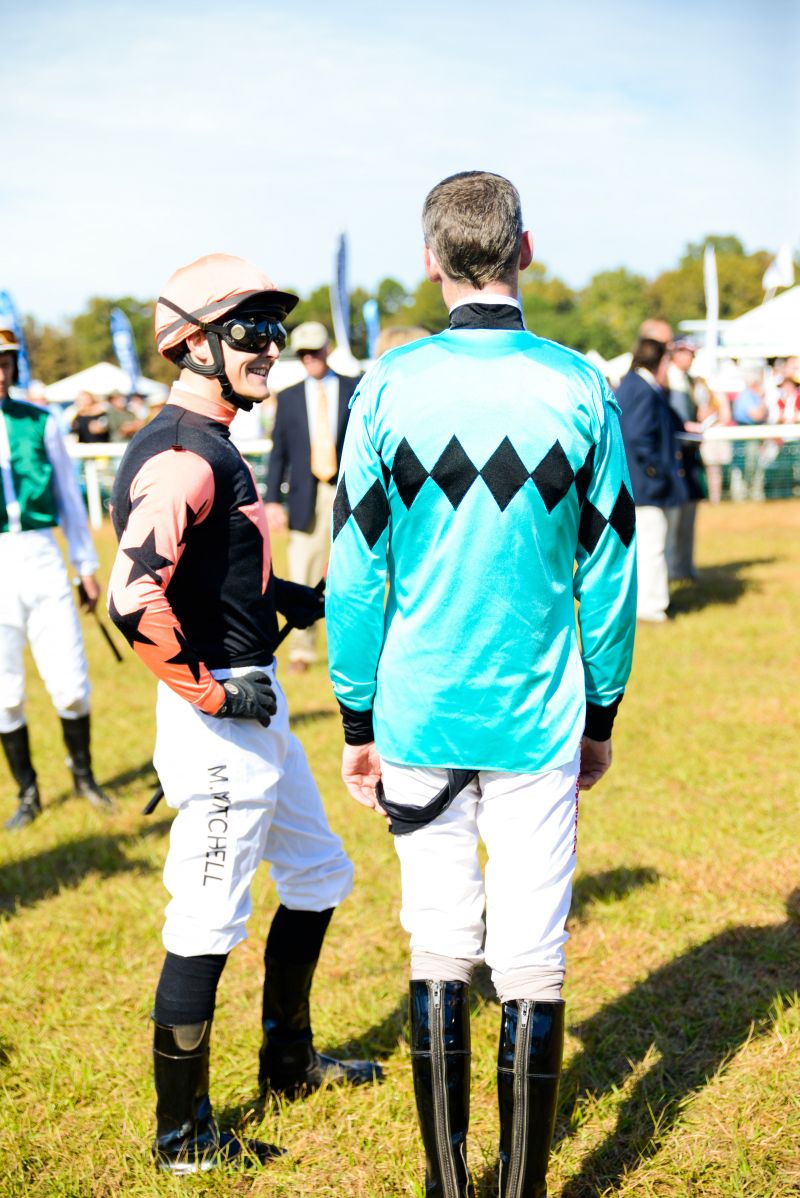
{"x":253,"y":335}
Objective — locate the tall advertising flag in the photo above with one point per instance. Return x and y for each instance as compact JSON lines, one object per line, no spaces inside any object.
{"x":780,"y":272}
{"x":9,"y":311}
{"x":125,"y":347}
{"x":372,"y":323}
{"x":340,"y":298}
{"x":712,"y":306}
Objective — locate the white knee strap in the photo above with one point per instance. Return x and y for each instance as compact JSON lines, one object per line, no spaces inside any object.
{"x":433,"y":967}
{"x":538,"y":983}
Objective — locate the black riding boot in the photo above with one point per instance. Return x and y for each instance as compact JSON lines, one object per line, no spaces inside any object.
{"x":18,"y":755}
{"x":76,"y":738}
{"x":288,"y":1063}
{"x":187,"y":1137}
{"x":440,"y":1060}
{"x":528,"y":1069}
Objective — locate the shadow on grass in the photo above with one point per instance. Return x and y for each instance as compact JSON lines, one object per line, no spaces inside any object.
{"x":612,"y":885}
{"x":690,"y":1017}
{"x":43,"y":875}
{"x":716,"y":585}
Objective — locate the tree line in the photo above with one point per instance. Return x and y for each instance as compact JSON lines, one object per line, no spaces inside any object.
{"x":604,"y":315}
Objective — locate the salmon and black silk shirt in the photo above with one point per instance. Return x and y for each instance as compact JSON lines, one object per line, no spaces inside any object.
{"x":192,"y":588}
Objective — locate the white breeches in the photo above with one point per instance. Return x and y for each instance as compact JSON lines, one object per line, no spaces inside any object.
{"x":36,"y":603}
{"x":244,"y":794}
{"x":528,"y":823}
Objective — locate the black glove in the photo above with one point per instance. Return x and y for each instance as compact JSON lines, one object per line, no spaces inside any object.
{"x":302,"y":606}
{"x":250,"y":697}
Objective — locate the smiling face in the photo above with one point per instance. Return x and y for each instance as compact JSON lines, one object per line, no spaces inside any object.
{"x":248,"y":373}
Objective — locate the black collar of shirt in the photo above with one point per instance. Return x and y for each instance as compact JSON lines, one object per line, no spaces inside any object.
{"x":486,"y":316}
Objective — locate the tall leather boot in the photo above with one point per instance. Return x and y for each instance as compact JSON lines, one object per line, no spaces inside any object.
{"x":187,"y":1137}
{"x":76,"y":738}
{"x":440,"y":1061}
{"x":288,"y":1063}
{"x":528,"y":1069}
{"x":18,"y":754}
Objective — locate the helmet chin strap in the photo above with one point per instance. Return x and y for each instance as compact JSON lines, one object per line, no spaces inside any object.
{"x":216,"y":369}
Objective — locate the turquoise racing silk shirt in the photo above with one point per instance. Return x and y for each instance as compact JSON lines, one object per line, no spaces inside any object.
{"x":484,"y":478}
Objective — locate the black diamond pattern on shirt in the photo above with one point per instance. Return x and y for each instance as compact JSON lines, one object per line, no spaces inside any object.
{"x":454,"y":473}
{"x":591,"y":526}
{"x":146,"y":560}
{"x":341,"y":508}
{"x":185,"y":657}
{"x":504,"y":473}
{"x":408,"y":473}
{"x":553,"y":476}
{"x":371,"y":514}
{"x":128,"y":624}
{"x":623,"y":516}
{"x":583,"y":476}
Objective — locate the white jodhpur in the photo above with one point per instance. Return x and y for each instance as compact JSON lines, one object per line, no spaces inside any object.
{"x":244,"y":794}
{"x":528,"y":823}
{"x":36,"y":604}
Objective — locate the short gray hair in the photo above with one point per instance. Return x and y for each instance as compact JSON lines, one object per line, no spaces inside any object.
{"x":472,"y":222}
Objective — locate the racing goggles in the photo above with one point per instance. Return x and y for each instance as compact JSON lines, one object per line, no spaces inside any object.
{"x":252,"y":334}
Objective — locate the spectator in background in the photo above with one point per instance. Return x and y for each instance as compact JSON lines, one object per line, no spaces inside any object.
{"x":657,"y":474}
{"x":680,"y":542}
{"x":713,"y":408}
{"x":656,"y":329}
{"x":398,"y":335}
{"x":90,"y":422}
{"x":749,"y":407}
{"x":122,"y":422}
{"x":307,"y":442}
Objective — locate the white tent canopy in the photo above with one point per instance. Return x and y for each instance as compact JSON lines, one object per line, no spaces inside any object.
{"x":101,"y":380}
{"x":771,"y":330}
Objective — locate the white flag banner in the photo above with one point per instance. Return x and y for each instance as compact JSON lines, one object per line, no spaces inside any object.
{"x":340,"y":297}
{"x":780,"y":272}
{"x":711,"y":286}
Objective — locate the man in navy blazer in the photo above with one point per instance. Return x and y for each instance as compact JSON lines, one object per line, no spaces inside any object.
{"x":656,"y":468}
{"x":307,"y":444}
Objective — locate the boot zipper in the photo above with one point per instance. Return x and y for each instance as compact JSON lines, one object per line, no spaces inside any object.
{"x":441,"y":1119}
{"x":519,"y":1124}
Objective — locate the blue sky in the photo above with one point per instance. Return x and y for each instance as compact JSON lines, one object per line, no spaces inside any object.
{"x":139,"y":136}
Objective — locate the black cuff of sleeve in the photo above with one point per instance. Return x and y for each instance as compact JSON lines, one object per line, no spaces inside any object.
{"x":600,"y":720}
{"x":357,"y":726}
{"x":283,"y":595}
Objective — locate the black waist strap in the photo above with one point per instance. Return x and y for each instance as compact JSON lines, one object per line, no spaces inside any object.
{"x":404,"y":819}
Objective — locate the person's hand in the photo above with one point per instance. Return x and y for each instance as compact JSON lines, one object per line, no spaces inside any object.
{"x":361,"y":771}
{"x":301,"y":605}
{"x":595,"y":761}
{"x":248,"y":697}
{"x":276,"y":517}
{"x":90,"y":593}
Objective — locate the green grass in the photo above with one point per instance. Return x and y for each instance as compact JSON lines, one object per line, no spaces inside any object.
{"x":682,"y":1069}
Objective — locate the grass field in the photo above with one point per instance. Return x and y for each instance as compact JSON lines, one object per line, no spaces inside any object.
{"x":682,"y":1068}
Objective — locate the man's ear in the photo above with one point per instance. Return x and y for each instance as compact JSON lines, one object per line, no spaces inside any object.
{"x":432,"y":268}
{"x":526,"y":250}
{"x":197,"y":344}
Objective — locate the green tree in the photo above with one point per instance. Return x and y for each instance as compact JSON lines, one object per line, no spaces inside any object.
{"x":391,"y":296}
{"x":724,"y":244}
{"x":316,"y":307}
{"x":679,"y":294}
{"x":611,"y":307}
{"x":426,"y":308}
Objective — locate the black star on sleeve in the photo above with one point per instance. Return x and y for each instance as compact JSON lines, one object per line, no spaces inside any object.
{"x":146,"y":559}
{"x":191,"y":517}
{"x":185,"y":657}
{"x":128,"y":624}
